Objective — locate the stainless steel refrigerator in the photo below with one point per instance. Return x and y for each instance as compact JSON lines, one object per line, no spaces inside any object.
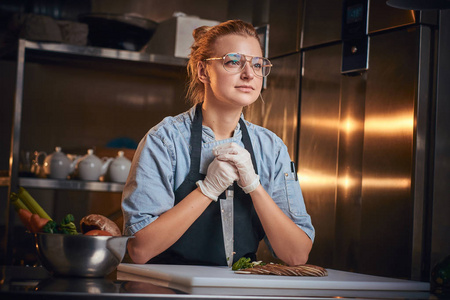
{"x":357,"y":111}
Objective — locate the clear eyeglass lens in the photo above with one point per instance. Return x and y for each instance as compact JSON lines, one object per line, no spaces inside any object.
{"x":235,"y":62}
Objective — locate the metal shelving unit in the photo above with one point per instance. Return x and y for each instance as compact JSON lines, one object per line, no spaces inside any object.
{"x":100,"y":53}
{"x":51,"y":51}
{"x":4,"y":181}
{"x":70,"y":184}
{"x":48,"y":52}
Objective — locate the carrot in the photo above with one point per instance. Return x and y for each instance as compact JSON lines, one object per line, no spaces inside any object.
{"x":25,"y":217}
{"x":37,"y":223}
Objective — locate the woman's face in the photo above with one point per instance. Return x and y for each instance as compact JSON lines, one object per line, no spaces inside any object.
{"x":237,"y":89}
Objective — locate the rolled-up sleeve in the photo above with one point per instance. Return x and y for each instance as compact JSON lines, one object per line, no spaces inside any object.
{"x":288,"y":195}
{"x":149,"y":190}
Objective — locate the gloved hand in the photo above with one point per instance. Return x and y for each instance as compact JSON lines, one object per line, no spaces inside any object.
{"x":241,"y":159}
{"x":219,"y":176}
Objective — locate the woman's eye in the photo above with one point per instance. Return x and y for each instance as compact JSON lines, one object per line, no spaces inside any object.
{"x":233,"y":63}
{"x":257,"y":66}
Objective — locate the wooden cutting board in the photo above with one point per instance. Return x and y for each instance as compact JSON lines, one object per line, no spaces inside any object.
{"x":222,"y":280}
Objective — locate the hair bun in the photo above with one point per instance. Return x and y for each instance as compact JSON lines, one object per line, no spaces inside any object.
{"x":198,"y":32}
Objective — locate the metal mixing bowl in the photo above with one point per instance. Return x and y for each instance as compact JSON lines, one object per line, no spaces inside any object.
{"x":80,"y":255}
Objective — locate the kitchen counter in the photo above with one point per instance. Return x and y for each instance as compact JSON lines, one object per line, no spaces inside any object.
{"x":36,"y":283}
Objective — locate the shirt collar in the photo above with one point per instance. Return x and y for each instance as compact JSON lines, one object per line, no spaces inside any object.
{"x":208,"y":134}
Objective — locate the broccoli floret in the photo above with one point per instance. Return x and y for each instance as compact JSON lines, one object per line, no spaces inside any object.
{"x":69,"y":218}
{"x":67,"y":226}
{"x":50,"y":227}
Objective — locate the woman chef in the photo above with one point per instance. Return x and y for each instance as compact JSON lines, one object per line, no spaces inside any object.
{"x":184,"y":164}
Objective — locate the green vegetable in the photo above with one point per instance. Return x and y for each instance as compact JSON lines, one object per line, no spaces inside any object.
{"x":242,"y":263}
{"x":245,"y":263}
{"x":31,"y":204}
{"x":18,"y":204}
{"x":67,"y":226}
{"x":50,"y":227}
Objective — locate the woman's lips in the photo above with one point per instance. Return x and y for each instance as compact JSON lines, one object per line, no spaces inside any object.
{"x":245,"y":88}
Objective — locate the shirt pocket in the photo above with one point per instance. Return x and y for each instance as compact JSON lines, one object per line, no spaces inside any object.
{"x":294,"y":194}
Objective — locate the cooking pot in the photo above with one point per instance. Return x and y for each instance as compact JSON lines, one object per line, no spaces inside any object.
{"x":127,"y":32}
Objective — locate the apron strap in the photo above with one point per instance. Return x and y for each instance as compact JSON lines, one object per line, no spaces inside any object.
{"x":196,"y":140}
{"x":248,"y":143}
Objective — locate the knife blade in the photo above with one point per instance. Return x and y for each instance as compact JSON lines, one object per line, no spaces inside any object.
{"x":227,"y":215}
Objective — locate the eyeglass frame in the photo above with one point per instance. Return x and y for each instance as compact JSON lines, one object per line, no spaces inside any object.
{"x":243,"y":66}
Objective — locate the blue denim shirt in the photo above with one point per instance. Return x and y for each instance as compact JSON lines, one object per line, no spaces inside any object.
{"x":162,"y":162}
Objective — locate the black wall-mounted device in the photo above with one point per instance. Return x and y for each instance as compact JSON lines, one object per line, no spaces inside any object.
{"x":355,"y":39}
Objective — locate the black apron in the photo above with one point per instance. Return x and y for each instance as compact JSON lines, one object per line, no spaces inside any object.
{"x":202,"y":243}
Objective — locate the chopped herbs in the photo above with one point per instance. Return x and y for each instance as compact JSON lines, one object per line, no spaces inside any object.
{"x":245,"y":263}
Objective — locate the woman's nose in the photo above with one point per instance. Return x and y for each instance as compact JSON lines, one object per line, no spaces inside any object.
{"x":247,"y":72}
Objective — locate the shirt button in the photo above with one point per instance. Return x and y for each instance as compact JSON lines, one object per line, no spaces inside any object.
{"x":286,"y":174}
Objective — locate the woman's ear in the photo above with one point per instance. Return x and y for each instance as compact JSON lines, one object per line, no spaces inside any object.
{"x":202,"y":72}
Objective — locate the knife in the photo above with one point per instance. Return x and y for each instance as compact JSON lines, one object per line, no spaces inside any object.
{"x":226,"y":211}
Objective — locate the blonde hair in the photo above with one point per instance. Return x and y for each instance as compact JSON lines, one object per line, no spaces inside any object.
{"x":202,"y":48}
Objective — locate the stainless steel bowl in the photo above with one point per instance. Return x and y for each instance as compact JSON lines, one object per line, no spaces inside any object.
{"x":80,"y":255}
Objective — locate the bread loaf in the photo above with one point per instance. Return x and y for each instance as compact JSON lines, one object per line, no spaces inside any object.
{"x":99,"y":222}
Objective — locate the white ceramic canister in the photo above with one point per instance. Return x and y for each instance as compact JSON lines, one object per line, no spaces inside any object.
{"x":119,"y":168}
{"x":90,"y":167}
{"x":57,"y":165}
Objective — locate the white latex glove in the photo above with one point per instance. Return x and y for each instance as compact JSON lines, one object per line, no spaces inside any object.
{"x":241,"y":159}
{"x":219,"y":176}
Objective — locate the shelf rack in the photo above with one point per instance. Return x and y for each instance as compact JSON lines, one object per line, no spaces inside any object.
{"x":55,"y":52}
{"x":4,"y":181}
{"x":102,"y":53}
{"x":70,"y":184}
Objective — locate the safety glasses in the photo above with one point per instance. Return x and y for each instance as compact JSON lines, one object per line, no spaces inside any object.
{"x":235,"y":63}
